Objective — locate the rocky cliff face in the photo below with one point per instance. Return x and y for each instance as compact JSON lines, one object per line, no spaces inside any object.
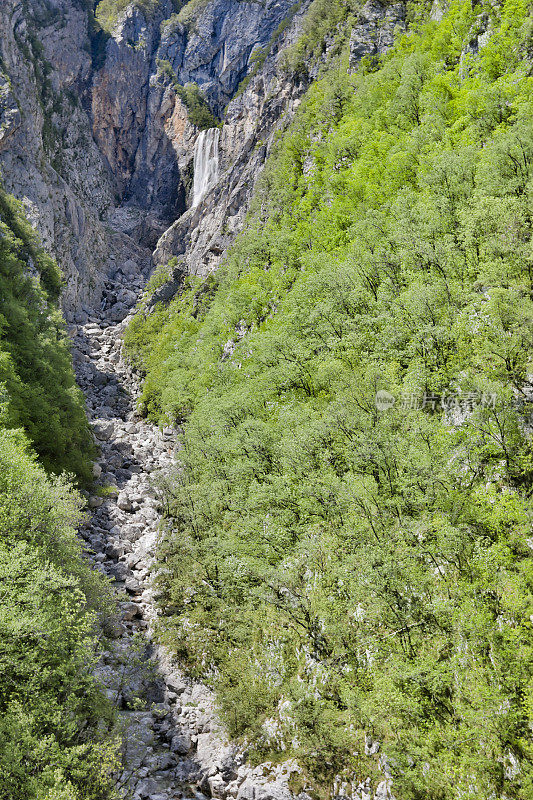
{"x":94,"y":138}
{"x":202,"y":235}
{"x":48,"y":157}
{"x":97,"y":140}
{"x":215,"y":49}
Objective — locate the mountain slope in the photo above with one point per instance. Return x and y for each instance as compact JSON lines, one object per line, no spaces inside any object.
{"x":347,"y":554}
{"x":35,"y":365}
{"x":57,"y":736}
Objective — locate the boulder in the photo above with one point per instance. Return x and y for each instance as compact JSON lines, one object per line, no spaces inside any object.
{"x":181,"y":744}
{"x":130,"y":611}
{"x":103,"y":429}
{"x":119,"y":571}
{"x":132,"y":586}
{"x":160,"y":710}
{"x":118,"y":312}
{"x":95,"y":501}
{"x":124,"y":502}
{"x":112,"y":627}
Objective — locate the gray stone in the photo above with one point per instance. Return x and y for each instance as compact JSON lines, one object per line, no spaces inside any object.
{"x":103,"y":429}
{"x":165,"y":761}
{"x":124,"y":502}
{"x":375,"y":32}
{"x":160,"y":710}
{"x":130,"y":268}
{"x":112,"y":627}
{"x":175,"y":683}
{"x":146,"y":788}
{"x":114,"y":550}
{"x":130,"y":611}
{"x":95,"y":501}
{"x":217,"y":786}
{"x":181,"y":744}
{"x":119,"y":571}
{"x":118,"y":312}
{"x":100,"y":379}
{"x":132,"y":586}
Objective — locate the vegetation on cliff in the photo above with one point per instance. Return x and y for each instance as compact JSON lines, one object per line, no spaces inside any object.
{"x":108,"y":12}
{"x":56,"y":725}
{"x":198,"y":110}
{"x":36,"y":372}
{"x":347,"y":553}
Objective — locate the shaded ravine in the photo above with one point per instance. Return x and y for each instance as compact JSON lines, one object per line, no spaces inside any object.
{"x":174,"y":745}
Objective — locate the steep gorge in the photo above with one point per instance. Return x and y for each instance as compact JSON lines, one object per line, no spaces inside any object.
{"x":96,"y":138}
{"x":97,"y":141}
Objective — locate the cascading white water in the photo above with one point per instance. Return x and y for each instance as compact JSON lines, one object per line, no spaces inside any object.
{"x":205,"y":163}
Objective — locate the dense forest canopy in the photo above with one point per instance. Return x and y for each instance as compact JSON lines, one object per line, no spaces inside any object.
{"x":347,"y":556}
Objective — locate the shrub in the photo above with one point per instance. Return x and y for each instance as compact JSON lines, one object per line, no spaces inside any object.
{"x":108,"y":12}
{"x":190,"y":95}
{"x":56,"y":726}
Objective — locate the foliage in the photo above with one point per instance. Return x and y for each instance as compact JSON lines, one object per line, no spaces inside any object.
{"x":50,"y":276}
{"x":189,"y":12}
{"x":325,"y":19}
{"x":56,"y":726}
{"x":108,"y":12}
{"x":199,"y":112}
{"x":35,"y":363}
{"x":345,"y":570}
{"x":57,"y":738}
{"x":192,"y":98}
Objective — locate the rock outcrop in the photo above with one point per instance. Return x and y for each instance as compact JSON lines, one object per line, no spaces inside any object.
{"x":215,"y":47}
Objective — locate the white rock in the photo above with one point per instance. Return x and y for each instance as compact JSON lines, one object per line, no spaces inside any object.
{"x":124,"y":502}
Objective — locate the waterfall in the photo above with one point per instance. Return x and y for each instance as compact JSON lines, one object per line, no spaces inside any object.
{"x":205,"y":163}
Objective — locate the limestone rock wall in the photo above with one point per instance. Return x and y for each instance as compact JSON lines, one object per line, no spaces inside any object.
{"x":214,"y":50}
{"x":202,"y":235}
{"x":94,"y":139}
{"x":47,"y":156}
